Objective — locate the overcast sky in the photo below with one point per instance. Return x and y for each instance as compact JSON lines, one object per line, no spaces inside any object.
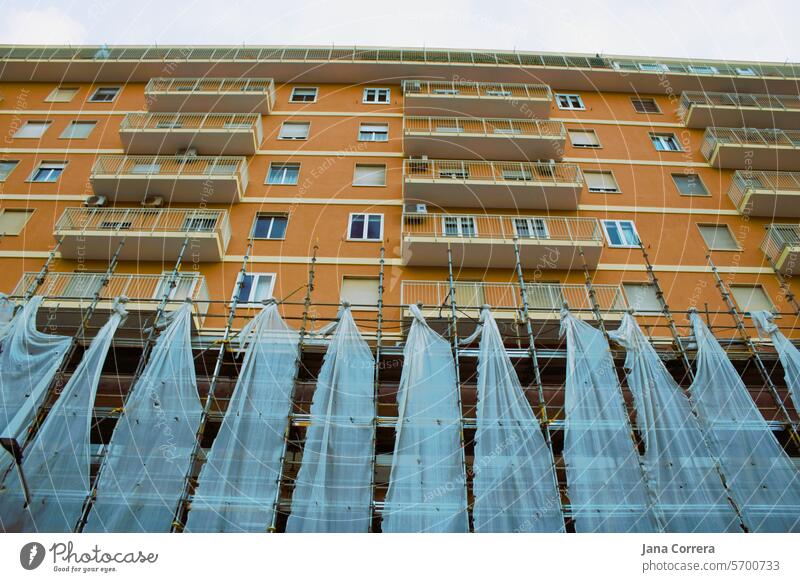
{"x":732,"y":29}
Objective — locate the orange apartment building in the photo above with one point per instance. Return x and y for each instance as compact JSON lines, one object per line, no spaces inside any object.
{"x":378,"y":175}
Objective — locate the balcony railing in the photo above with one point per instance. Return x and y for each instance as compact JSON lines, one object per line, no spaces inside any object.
{"x":739,"y":100}
{"x":716,"y":136}
{"x":485,"y":127}
{"x":191,"y":121}
{"x":218,"y":88}
{"x":190,"y":166}
{"x":777,"y":183}
{"x":779,"y":239}
{"x":506,"y":173}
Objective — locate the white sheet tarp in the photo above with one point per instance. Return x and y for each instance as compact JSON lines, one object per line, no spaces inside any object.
{"x":514,"y":484}
{"x":333,"y":490}
{"x":607,"y":491}
{"x":761,"y":477}
{"x":56,"y":463}
{"x":6,"y":313}
{"x":148,"y":457}
{"x":29,"y":359}
{"x":238,"y":484}
{"x":787,"y":352}
{"x":690,"y":496}
{"x":427,"y":490}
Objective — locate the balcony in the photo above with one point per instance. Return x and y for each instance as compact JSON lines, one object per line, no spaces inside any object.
{"x":150,"y":234}
{"x":757,"y":149}
{"x":212,"y":179}
{"x":782,"y":245}
{"x":461,"y":138}
{"x":477,"y":99}
{"x":517,"y":185}
{"x":700,"y":110}
{"x":772,"y":194}
{"x":221,"y":134}
{"x":225,"y":95}
{"x":485,"y":241}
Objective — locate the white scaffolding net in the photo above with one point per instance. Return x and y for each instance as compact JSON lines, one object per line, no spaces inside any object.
{"x":238,"y":484}
{"x":29,"y":359}
{"x":514,"y":484}
{"x":148,"y":457}
{"x":761,"y":477}
{"x":333,"y":490}
{"x":787,"y":352}
{"x":57,"y":462}
{"x":607,"y":491}
{"x":690,"y":496}
{"x":427,"y":484}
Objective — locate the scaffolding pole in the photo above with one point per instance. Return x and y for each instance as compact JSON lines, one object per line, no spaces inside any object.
{"x":146,"y":348}
{"x":40,"y":276}
{"x":376,"y":391}
{"x":787,"y":291}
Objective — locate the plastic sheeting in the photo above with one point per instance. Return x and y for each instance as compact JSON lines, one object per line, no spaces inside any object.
{"x":238,"y":484}
{"x":787,"y":352}
{"x":607,"y":490}
{"x":148,"y":457}
{"x":427,"y":491}
{"x":761,"y":477}
{"x":690,"y":496}
{"x":57,"y":462}
{"x":6,"y":313}
{"x":333,"y":490}
{"x":29,"y":359}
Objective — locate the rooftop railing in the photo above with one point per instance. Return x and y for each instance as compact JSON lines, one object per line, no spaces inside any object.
{"x":506,"y":173}
{"x":485,"y":127}
{"x":489,"y":90}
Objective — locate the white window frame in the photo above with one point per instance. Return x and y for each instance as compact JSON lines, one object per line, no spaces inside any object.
{"x":378,"y":91}
{"x":737,"y":247}
{"x":536,"y":225}
{"x":283,"y":171}
{"x":256,"y":277}
{"x":307,"y":125}
{"x":362,"y":132}
{"x":54,"y":97}
{"x":271,"y":226}
{"x":13,"y":163}
{"x":296,"y":89}
{"x":27,"y":211}
{"x":355,"y":173}
{"x":584,"y":146}
{"x":43,"y":124}
{"x":98,"y":89}
{"x":364,"y":237}
{"x":618,"y":224}
{"x":78,"y":123}
{"x":750,"y":288}
{"x":460,"y":225}
{"x":63,"y":166}
{"x":664,"y":139}
{"x":589,"y":188}
{"x":571,"y":102}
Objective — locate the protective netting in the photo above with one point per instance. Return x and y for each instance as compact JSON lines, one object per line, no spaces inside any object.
{"x":761,"y":477}
{"x":514,"y":481}
{"x":427,"y":484}
{"x":607,"y":490}
{"x":238,"y":484}
{"x":148,"y":457}
{"x":690,"y":496}
{"x":56,"y":464}
{"x":334,"y":486}
{"x":6,"y":313}
{"x":787,"y":352}
{"x":29,"y":359}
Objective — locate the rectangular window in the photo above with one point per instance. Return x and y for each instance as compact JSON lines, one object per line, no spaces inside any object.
{"x":653,"y":67}
{"x":703,"y":69}
{"x":48,"y":172}
{"x":255,"y":287}
{"x":751,"y":298}
{"x":531,"y":228}
{"x":61,"y":95}
{"x":568,"y":101}
{"x":665,"y":142}
{"x":377,"y":95}
{"x":104,"y":95}
{"x":270,"y":227}
{"x":32,"y":129}
{"x":200,"y":222}
{"x":745,"y":71}
{"x":463,"y":226}
{"x":303,"y":95}
{"x":6,"y":168}
{"x":718,"y":237}
{"x":645,"y":105}
{"x":373,"y":132}
{"x":139,"y":168}
{"x":366,"y":227}
{"x":583,"y":138}
{"x":361,"y":292}
{"x":294,"y":130}
{"x":621,"y":233}
{"x":689,"y":184}
{"x":12,"y":221}
{"x":283,"y":174}
{"x":642,"y":296}
{"x":369,"y":175}
{"x":601,"y":182}
{"x":78,"y":130}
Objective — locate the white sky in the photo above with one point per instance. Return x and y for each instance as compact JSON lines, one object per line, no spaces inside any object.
{"x":732,"y":29}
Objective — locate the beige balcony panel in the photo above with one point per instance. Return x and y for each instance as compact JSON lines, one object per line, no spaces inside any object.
{"x":208,"y":94}
{"x":477,"y":99}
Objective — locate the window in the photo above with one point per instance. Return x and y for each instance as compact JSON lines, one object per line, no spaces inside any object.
{"x":521,"y":174}
{"x":583,"y":138}
{"x":645,"y":106}
{"x":665,"y":142}
{"x":621,"y":233}
{"x":689,"y":184}
{"x":373,"y":132}
{"x":294,"y":130}
{"x":377,"y":95}
{"x":457,"y":173}
{"x":642,"y":296}
{"x":366,"y":227}
{"x":745,"y":71}
{"x":200,"y":222}
{"x":751,"y":298}
{"x":272,"y":227}
{"x":12,"y":221}
{"x":78,"y":130}
{"x":32,"y":129}
{"x":566,"y":101}
{"x":6,"y":168}
{"x":255,"y":287}
{"x":369,"y":175}
{"x":601,"y":182}
{"x":703,"y":69}
{"x":361,"y":292}
{"x":145,"y":168}
{"x":104,"y":95}
{"x":718,"y":237}
{"x":61,"y":95}
{"x":303,"y":95}
{"x":531,"y":228}
{"x":655,"y":67}
{"x":459,"y":226}
{"x":285,"y":174}
{"x":116,"y":224}
{"x":48,"y":172}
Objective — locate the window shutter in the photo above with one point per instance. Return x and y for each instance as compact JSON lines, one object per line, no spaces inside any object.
{"x":601,"y":181}
{"x":360,"y":291}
